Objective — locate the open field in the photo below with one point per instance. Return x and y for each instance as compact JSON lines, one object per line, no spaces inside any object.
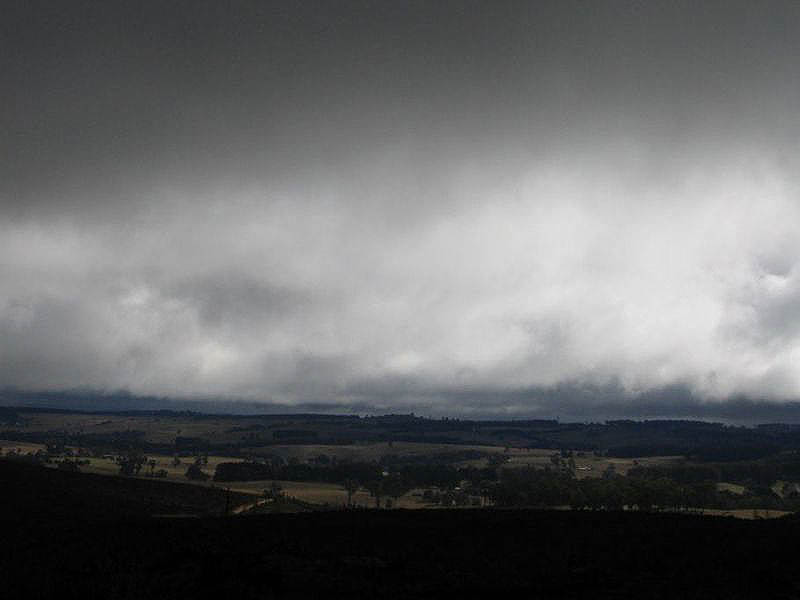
{"x":108,"y":466}
{"x":372,"y":451}
{"x":733,"y":488}
{"x":19,"y":447}
{"x":586,"y":463}
{"x":313,"y":492}
{"x":748,"y":514}
{"x":329,"y":494}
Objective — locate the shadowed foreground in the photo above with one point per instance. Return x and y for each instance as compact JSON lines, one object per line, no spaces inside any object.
{"x":376,"y":554}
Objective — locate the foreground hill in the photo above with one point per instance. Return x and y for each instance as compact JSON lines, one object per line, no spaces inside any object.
{"x":405,"y":555}
{"x":54,"y":545}
{"x":32,"y":490}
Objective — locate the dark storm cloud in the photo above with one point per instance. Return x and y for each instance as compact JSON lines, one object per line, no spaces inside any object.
{"x":99,"y":96}
{"x":405,"y":204}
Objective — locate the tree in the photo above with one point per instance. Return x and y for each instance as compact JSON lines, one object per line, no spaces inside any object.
{"x":68,"y":465}
{"x":131,"y":463}
{"x":195,"y":473}
{"x":375,"y":489}
{"x":351,"y":486}
{"x":614,"y":498}
{"x":275,"y":495}
{"x":395,"y":486}
{"x":610,"y":471}
{"x":274,"y":492}
{"x":577,"y":499}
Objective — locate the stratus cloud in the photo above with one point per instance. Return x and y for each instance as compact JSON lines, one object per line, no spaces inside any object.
{"x":612,"y":264}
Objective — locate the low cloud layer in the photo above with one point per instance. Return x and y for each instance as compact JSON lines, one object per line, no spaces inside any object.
{"x":566,"y":269}
{"x":407,"y":238}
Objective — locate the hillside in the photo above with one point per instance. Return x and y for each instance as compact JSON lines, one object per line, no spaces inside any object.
{"x":404,"y":554}
{"x":33,"y":491}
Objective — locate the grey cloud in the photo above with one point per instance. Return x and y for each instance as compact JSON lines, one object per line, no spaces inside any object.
{"x":419,"y":204}
{"x":230,"y":300}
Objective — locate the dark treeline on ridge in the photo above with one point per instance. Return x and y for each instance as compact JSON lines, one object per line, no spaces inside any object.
{"x":698,"y":440}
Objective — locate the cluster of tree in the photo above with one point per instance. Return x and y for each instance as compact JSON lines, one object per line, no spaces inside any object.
{"x":543,"y":488}
{"x":755,"y":472}
{"x":295,"y":435}
{"x":729,"y":451}
{"x":449,"y":457}
{"x":409,"y":475}
{"x":196,"y":473}
{"x":9,"y":416}
{"x":132,"y":462}
{"x":245,"y":428}
{"x":546,"y":488}
{"x":387,"y":488}
{"x":70,"y":465}
{"x":195,"y":470}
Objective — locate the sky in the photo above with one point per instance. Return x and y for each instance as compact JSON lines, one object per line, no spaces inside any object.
{"x":464,"y":206}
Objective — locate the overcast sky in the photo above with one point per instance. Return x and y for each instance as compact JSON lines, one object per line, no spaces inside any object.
{"x":404,"y":202}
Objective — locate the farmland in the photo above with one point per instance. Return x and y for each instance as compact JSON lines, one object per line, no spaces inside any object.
{"x":402,"y":461}
{"x":297,"y":518}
